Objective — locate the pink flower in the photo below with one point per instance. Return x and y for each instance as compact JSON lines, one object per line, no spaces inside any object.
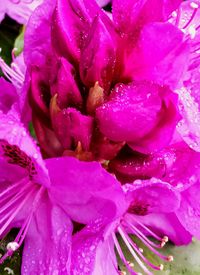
{"x":41,"y":197}
{"x":103,"y":66}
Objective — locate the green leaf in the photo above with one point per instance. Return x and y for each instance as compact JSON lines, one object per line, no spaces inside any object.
{"x":31,"y":130}
{"x":19,"y":42}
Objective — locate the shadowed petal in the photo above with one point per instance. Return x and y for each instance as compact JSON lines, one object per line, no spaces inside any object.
{"x":98,"y":57}
{"x":71,"y":126}
{"x":66,"y":86}
{"x":8,"y":95}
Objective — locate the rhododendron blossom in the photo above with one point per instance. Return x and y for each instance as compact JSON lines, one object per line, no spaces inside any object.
{"x":32,"y":191}
{"x":114,"y":102}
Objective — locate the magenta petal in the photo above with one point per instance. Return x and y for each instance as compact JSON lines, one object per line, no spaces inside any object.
{"x":72,"y":127}
{"x":37,"y":36}
{"x":156,"y":42}
{"x":189,"y":211}
{"x":66,"y":86}
{"x":68,"y":26}
{"x":83,"y":189}
{"x":84,"y":247}
{"x":105,"y":261}
{"x":8,"y":95}
{"x":164,"y":130}
{"x":127,"y":15}
{"x":98,"y":57}
{"x":181,"y":164}
{"x":167,"y":224}
{"x":134,"y":14}
{"x":48,"y":242}
{"x":81,"y":127}
{"x":13,"y":134}
{"x":140,"y":114}
{"x":91,"y":253}
{"x":189,"y":126}
{"x":124,"y":116}
{"x":71,"y":21}
{"x":37,"y":94}
{"x":150,"y":196}
{"x":138,"y":166}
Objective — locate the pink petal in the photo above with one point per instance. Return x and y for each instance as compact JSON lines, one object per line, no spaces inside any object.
{"x":37,"y":36}
{"x":13,"y":134}
{"x":189,"y":211}
{"x":91,"y":254}
{"x":83,"y":189}
{"x":66,"y":86}
{"x":48,"y":242}
{"x":71,"y":126}
{"x":140,"y":114}
{"x":134,"y":14}
{"x":98,"y":57}
{"x":8,"y":95}
{"x":150,"y":196}
{"x":159,"y":44}
{"x":167,"y":224}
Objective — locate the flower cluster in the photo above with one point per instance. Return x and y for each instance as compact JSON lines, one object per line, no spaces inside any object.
{"x":113,"y":97}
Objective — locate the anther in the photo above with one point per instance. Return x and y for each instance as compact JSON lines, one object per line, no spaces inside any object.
{"x":165,"y":239}
{"x":162,"y":244}
{"x":170,"y":258}
{"x":161,"y":266}
{"x":194,"y":5}
{"x":130,"y":264}
{"x":12,"y":246}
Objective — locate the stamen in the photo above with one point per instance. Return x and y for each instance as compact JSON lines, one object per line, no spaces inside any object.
{"x":128,"y":225}
{"x":192,"y":32}
{"x":17,"y":209}
{"x":121,"y":255}
{"x":178,"y":17}
{"x":15,"y":198}
{"x":153,"y":234}
{"x":195,"y":7}
{"x":11,"y":188}
{"x":126,"y":241}
{"x":13,"y":246}
{"x":142,"y":237}
{"x":159,"y":267}
{"x":10,"y":73}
